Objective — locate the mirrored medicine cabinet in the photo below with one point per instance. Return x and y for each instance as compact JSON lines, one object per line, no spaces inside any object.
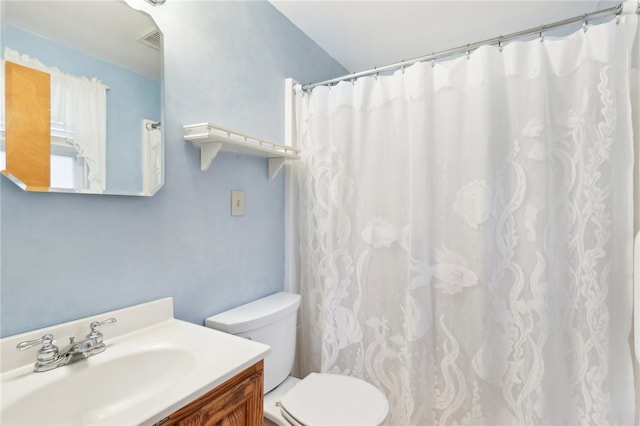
{"x":83,"y":98}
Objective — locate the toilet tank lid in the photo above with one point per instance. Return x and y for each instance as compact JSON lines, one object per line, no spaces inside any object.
{"x":255,"y":314}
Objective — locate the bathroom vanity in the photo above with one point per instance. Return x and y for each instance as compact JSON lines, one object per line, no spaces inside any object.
{"x":155,"y":370}
{"x":237,"y":402}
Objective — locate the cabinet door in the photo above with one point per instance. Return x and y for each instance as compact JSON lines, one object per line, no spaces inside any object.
{"x":237,"y":402}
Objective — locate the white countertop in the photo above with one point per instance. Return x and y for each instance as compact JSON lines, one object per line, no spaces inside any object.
{"x":154,"y":364}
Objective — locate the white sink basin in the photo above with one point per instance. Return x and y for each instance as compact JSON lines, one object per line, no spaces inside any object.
{"x":96,"y":391}
{"x":144,"y":374}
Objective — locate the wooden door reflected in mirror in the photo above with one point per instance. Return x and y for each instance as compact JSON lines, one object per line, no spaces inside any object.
{"x":27,"y":126}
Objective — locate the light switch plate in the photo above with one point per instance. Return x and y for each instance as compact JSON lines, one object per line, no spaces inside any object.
{"x":237,"y":203}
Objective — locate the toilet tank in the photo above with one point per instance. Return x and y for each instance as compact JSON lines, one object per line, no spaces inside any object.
{"x":270,"y":320}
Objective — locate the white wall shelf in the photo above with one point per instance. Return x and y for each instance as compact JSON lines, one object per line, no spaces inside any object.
{"x":212,"y":139}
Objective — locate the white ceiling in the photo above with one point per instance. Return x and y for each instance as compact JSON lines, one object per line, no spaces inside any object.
{"x":107,"y":29}
{"x":362,"y":34}
{"x":359,"y":34}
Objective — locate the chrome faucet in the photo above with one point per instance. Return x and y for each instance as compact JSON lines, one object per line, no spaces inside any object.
{"x":50,"y":357}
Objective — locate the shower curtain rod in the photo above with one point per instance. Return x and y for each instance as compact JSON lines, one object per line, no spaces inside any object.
{"x":630,"y":6}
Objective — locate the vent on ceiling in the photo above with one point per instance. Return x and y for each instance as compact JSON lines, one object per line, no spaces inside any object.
{"x":152,"y":39}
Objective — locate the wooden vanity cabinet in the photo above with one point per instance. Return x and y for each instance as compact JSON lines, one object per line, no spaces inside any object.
{"x":236,"y":402}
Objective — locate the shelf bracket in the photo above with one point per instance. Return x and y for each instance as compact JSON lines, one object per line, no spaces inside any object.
{"x":275,"y":164}
{"x":208,"y":152}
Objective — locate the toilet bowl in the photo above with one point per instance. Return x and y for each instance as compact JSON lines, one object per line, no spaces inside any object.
{"x":319,"y":398}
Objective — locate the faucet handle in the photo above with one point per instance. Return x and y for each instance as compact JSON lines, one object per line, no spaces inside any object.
{"x":47,"y":352}
{"x":95,"y":334}
{"x":45,"y":340}
{"x":94,"y":325}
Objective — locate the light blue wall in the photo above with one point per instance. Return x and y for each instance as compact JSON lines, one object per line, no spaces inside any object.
{"x":130,"y":99}
{"x":66,"y":256}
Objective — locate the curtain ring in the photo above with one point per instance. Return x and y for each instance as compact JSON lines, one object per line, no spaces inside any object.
{"x":618,"y":19}
{"x":402,"y":68}
{"x":541,"y":37}
{"x":433,"y":63}
{"x":468,"y":54}
{"x":500,"y":46}
{"x":585,"y":26}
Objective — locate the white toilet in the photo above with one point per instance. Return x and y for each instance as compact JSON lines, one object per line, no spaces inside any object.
{"x":318,"y":399}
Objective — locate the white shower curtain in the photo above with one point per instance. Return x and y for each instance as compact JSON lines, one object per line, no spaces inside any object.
{"x":465,"y":233}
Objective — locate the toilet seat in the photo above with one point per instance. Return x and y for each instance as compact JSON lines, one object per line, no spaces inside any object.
{"x":332,"y":399}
